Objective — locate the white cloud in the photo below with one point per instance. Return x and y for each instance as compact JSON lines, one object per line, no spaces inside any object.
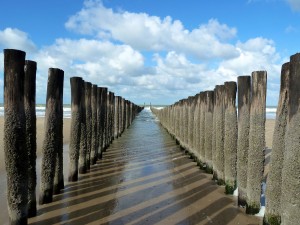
{"x":294,"y":4}
{"x":145,"y":32}
{"x":16,"y":39}
{"x":112,"y":57}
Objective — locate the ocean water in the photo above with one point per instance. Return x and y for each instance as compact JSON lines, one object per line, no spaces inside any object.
{"x":40,"y":110}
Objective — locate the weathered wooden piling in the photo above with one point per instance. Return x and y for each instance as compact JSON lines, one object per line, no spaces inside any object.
{"x":59,"y":175}
{"x":121,"y":116}
{"x":244,"y":91}
{"x":230,"y":137}
{"x":116,"y":116}
{"x":83,"y":134}
{"x":256,"y":141}
{"x":273,"y":188}
{"x":102,"y":112}
{"x":52,"y":134}
{"x":201,"y":145}
{"x":112,"y":117}
{"x":213,"y":144}
{"x":185,"y":124}
{"x":30,"y":135}
{"x":16,"y":156}
{"x":196,"y":128}
{"x":95,"y":140}
{"x":191,"y":111}
{"x":209,"y":95}
{"x":88,"y":123}
{"x":219,"y":134}
{"x":290,"y":199}
{"x":74,"y":147}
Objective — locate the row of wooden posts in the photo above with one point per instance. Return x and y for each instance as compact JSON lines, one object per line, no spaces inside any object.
{"x":98,"y":116}
{"x":231,"y":145}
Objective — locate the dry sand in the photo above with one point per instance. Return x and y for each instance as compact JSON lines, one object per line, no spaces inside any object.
{"x":39,"y":139}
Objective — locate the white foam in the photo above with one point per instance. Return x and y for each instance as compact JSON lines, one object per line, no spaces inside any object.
{"x":261,"y":212}
{"x":271,"y":110}
{"x":236,"y":192}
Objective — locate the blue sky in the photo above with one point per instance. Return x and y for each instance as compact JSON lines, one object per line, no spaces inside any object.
{"x":153,"y":51}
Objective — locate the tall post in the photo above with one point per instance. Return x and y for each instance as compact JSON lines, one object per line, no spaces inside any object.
{"x":116,"y":124}
{"x":219,"y":126}
{"x":52,"y":135}
{"x":83,"y":134}
{"x":256,"y":141}
{"x":30,"y":115}
{"x":74,"y":147}
{"x":16,"y":156}
{"x":196,"y":127}
{"x":99,"y":126}
{"x":103,"y":121}
{"x":213,"y":144}
{"x":230,"y":137}
{"x":209,"y":130}
{"x":244,"y":91}
{"x":88,"y":123}
{"x":202,"y":130}
{"x":291,"y":166}
{"x":59,"y":174}
{"x":273,"y":188}
{"x":94,"y":101}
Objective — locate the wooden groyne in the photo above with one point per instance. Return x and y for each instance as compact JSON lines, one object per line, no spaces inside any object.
{"x":98,"y":117}
{"x":232,"y":146}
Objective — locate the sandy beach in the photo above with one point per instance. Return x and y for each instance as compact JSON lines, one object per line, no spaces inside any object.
{"x":39,"y":139}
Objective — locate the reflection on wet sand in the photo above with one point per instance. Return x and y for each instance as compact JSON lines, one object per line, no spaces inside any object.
{"x":143,"y":178}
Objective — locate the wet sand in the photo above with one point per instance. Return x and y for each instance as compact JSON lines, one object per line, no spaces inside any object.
{"x":143,"y":178}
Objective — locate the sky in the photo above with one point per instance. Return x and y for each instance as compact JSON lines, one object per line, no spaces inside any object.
{"x":152,"y":51}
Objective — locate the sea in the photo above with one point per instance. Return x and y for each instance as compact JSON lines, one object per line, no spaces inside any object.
{"x":40,"y":110}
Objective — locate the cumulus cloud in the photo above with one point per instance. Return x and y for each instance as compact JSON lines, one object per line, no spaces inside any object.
{"x":17,"y":39}
{"x":152,"y":33}
{"x":294,"y":4}
{"x":184,"y":62}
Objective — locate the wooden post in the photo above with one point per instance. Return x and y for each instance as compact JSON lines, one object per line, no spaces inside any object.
{"x":94,"y":147}
{"x":59,"y":175}
{"x":52,"y":136}
{"x":256,"y":141}
{"x":196,"y":128}
{"x":88,"y":123}
{"x":208,"y":130}
{"x":202,"y":130}
{"x":291,"y":166}
{"x":16,"y":156}
{"x":273,"y":189}
{"x":74,"y":147}
{"x":103,"y":123}
{"x":99,"y":127}
{"x":213,"y":145}
{"x":244,"y":91}
{"x":83,"y":134}
{"x":116,"y":124}
{"x":230,"y":137}
{"x":30,"y":115}
{"x":191,"y":124}
{"x":219,"y":126}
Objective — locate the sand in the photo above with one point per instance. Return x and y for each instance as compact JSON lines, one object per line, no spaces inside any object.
{"x":39,"y":138}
